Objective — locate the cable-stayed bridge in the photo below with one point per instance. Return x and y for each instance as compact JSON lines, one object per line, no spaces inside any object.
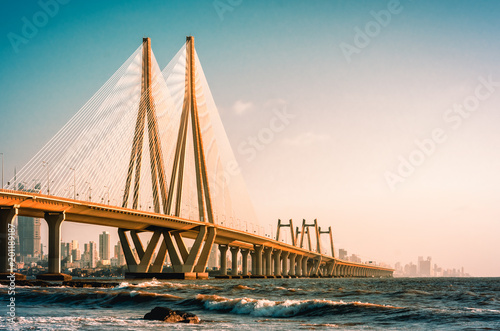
{"x":148,"y":153}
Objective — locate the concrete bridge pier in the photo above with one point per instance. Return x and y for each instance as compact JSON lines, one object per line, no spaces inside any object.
{"x":268,"y":261}
{"x":258,"y":261}
{"x":305,"y":271}
{"x":277,"y":262}
{"x":244,"y":262}
{"x":284,"y":261}
{"x":292,"y":257}
{"x":7,"y":218}
{"x":234,"y":260}
{"x":54,"y":221}
{"x":223,"y":260}
{"x":253,"y":257}
{"x":298,"y":267}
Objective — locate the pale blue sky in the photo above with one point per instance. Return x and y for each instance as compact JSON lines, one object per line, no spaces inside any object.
{"x":353,"y":118}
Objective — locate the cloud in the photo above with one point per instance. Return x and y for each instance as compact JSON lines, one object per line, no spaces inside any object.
{"x":240,"y":107}
{"x":306,"y":139}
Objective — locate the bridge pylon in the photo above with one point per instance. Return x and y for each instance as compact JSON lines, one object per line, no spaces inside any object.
{"x":187,"y":264}
{"x":146,"y":114}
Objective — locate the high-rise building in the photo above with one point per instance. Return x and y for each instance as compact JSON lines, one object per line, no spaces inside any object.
{"x":75,"y":250}
{"x":90,"y":254}
{"x":355,"y":258}
{"x":213,"y":261}
{"x":342,"y":254}
{"x":65,"y":250}
{"x":424,"y":266}
{"x":120,"y":258}
{"x":29,"y":235}
{"x":104,"y":246}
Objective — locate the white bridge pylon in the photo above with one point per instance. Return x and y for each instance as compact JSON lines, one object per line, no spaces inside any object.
{"x":150,"y":140}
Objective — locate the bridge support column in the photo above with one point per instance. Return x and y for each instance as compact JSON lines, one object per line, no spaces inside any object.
{"x":244,"y":262}
{"x":267,"y":254}
{"x":258,"y":260}
{"x":7,"y":229}
{"x":234,"y":260}
{"x":315,"y":268}
{"x":253,"y":257}
{"x":223,"y":259}
{"x":54,"y":222}
{"x":298,"y":266}
{"x":277,"y":262}
{"x":292,"y":264}
{"x":331,"y":269}
{"x":305,"y":271}
{"x":284,"y":260}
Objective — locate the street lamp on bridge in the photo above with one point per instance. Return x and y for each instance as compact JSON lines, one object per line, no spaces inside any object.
{"x":74,"y":183}
{"x":106,"y":187}
{"x":89,"y":191}
{"x":44,"y":163}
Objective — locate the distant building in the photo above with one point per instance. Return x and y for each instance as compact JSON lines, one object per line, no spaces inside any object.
{"x":424,"y":267}
{"x":120,"y":258}
{"x":75,"y":250}
{"x":104,"y":246}
{"x":355,"y":258}
{"x":28,"y":230}
{"x":213,"y":260}
{"x":65,"y":250}
{"x":90,"y":254}
{"x":342,"y":254}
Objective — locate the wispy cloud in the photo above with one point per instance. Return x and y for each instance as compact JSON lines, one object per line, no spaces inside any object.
{"x":306,"y":139}
{"x":240,"y":107}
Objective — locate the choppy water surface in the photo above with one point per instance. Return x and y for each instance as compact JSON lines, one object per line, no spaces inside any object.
{"x":267,"y":304}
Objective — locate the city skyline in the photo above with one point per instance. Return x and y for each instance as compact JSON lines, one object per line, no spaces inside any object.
{"x":100,"y":256}
{"x":391,"y":137}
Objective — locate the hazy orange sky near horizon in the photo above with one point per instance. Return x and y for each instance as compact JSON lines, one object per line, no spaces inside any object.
{"x":378,"y":118}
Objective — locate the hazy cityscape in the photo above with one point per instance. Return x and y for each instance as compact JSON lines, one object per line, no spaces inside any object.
{"x":100,"y":257}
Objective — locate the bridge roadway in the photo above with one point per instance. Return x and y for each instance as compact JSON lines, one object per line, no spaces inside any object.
{"x":39,"y":206}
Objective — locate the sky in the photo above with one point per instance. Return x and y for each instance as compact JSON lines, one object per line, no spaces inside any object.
{"x":389,"y":108}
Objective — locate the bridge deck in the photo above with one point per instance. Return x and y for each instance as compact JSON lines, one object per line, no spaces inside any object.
{"x":36,"y":205}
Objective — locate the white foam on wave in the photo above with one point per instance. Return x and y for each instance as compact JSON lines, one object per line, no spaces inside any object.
{"x":73,"y":323}
{"x":151,"y":283}
{"x":268,"y":308}
{"x":480,"y":310}
{"x":155,"y":283}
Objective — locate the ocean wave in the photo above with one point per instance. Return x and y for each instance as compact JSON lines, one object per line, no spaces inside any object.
{"x":156,"y":283}
{"x":414,"y":292}
{"x":81,"y":322}
{"x":99,"y":298}
{"x":287,"y":308}
{"x":243,"y":287}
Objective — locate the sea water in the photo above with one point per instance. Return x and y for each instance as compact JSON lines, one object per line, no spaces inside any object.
{"x":265,"y":304}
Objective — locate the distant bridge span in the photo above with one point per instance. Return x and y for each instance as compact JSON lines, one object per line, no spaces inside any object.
{"x":39,"y":205}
